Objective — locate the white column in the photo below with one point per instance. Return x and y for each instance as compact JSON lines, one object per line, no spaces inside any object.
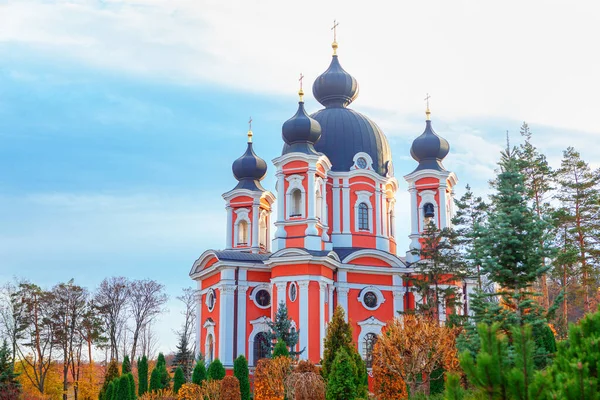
{"x":385,"y":217}
{"x":229,"y":237}
{"x":398,"y":293}
{"x":342,"y":298}
{"x":255,"y":224}
{"x":322,"y":294}
{"x":281,"y":296}
{"x":336,"y":205}
{"x":198,"y":321}
{"x":241,"y":321}
{"x":280,"y":232}
{"x":346,"y":205}
{"x":310,"y":195}
{"x":331,"y":287}
{"x":443,"y":206}
{"x":377,"y":209}
{"x":226,"y":312}
{"x":303,"y":285}
{"x":414,"y":224}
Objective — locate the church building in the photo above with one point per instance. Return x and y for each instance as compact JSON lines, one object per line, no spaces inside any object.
{"x":332,"y":241}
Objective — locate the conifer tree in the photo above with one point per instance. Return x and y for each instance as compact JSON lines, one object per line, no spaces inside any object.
{"x":108,"y":393}
{"x":142,"y":376}
{"x":199,"y":374}
{"x":579,"y":196}
{"x":124,"y":390}
{"x":131,"y":386}
{"x":216,"y":371}
{"x":281,"y":328}
{"x":341,"y":384}
{"x":184,"y":356}
{"x":125,"y":365}
{"x":241,"y":372}
{"x":280,"y":349}
{"x":9,"y":385}
{"x":339,"y":335}
{"x":155,"y":383}
{"x":112,"y":372}
{"x":160,"y":361}
{"x":178,"y":379}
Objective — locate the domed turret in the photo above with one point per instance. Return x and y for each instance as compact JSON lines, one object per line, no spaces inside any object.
{"x":301,"y":132}
{"x":249,"y":169}
{"x":429,"y":149}
{"x":335,"y":87}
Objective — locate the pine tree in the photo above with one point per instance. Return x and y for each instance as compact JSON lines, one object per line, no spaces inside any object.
{"x":280,"y":349}
{"x":241,"y":372}
{"x":124,"y":390}
{"x":339,"y":335}
{"x":579,"y":195}
{"x":281,"y":328}
{"x":9,"y":385}
{"x":216,"y":371}
{"x":155,"y":383}
{"x":160,"y":361}
{"x":108,"y":393}
{"x":341,"y":384}
{"x":125,"y":365}
{"x":199,"y":374}
{"x":184,"y":356}
{"x":538,"y":179}
{"x":178,"y":379}
{"x":439,"y":266}
{"x":142,"y":376}
{"x":131,"y":386}
{"x":112,"y":372}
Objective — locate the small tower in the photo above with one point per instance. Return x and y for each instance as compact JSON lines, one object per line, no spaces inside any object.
{"x":430,"y":185}
{"x":249,"y":204}
{"x":301,"y":185}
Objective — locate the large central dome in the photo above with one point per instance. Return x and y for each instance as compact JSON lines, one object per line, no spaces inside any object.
{"x":346,"y":132}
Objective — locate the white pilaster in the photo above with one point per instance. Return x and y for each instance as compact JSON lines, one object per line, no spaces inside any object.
{"x":346,"y":205}
{"x":378,"y":209}
{"x":331,"y":287}
{"x":322,"y":294}
{"x":280,"y":231}
{"x":342,"y":298}
{"x":443,"y":206}
{"x":229,"y":237}
{"x":399,"y":291}
{"x":414,"y":224}
{"x":303,"y":286}
{"x":255,"y":223}
{"x":198,"y":319}
{"x":281,"y":294}
{"x":241,"y":320}
{"x":226,"y":312}
{"x":336,"y":205}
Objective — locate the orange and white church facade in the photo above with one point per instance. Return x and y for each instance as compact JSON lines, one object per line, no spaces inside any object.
{"x":332,"y":241}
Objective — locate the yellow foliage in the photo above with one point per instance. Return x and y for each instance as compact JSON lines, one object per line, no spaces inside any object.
{"x":190,"y":391}
{"x":163,"y":394}
{"x":52,"y":384}
{"x":269,"y":378}
{"x":211,"y":390}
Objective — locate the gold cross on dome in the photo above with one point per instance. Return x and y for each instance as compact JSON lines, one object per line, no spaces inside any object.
{"x":427,"y":112}
{"x":300,"y":80}
{"x":334,"y":29}
{"x":250,"y":130}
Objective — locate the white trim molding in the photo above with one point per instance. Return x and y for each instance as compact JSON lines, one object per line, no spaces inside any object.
{"x":254,"y":292}
{"x":209,"y":325}
{"x":242,"y":215}
{"x":366,"y":157}
{"x":369,"y":325}
{"x":374,"y":290}
{"x":261,"y":324}
{"x":364,"y":196}
{"x":295,"y":183}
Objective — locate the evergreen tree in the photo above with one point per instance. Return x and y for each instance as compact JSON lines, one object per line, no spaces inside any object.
{"x":216,"y":371}
{"x":538,"y":180}
{"x":108,"y":394}
{"x":112,"y":372}
{"x":281,"y":328}
{"x":142,"y":376}
{"x":124,"y":390}
{"x":8,"y":379}
{"x":579,"y":196}
{"x":131,"y":386}
{"x":241,"y":372}
{"x":280,"y":349}
{"x":125,"y":365}
{"x":199,"y":374}
{"x":184,"y":356}
{"x":439,"y":266}
{"x":155,"y":383}
{"x":178,"y":379}
{"x":341,"y":384}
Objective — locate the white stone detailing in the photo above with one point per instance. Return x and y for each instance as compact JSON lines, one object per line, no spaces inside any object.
{"x":281,"y":286}
{"x":342,"y":298}
{"x":259,"y":325}
{"x":368,"y":159}
{"x":346,"y":205}
{"x":255,"y":218}
{"x":295,"y":183}
{"x":322,"y":295}
{"x":198,"y":318}
{"x":378,"y":294}
{"x":226,"y":313}
{"x":369,"y":325}
{"x":399,"y":293}
{"x":336,"y":206}
{"x":363,"y":196}
{"x":280,"y":230}
{"x":241,"y":320}
{"x":254,"y":292}
{"x":303,"y":318}
{"x":242,"y":214}
{"x":209,"y":355}
{"x":443,"y":204}
{"x":331,"y":289}
{"x":229,"y":236}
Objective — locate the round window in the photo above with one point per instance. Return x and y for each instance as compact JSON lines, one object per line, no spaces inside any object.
{"x":370,"y":299}
{"x":211,"y":300}
{"x":293,"y":292}
{"x":263,"y":298}
{"x":361,"y":163}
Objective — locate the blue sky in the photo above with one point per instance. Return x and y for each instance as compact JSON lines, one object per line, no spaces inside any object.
{"x":119,"y":120}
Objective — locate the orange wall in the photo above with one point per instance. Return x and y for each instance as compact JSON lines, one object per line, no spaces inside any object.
{"x":369,"y":261}
{"x":314,"y":314}
{"x":370,"y":279}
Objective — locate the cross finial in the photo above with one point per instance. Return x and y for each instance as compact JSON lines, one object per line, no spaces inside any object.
{"x":427,"y":112}
{"x":250,"y":130}
{"x":334,"y":45}
{"x":301,"y":92}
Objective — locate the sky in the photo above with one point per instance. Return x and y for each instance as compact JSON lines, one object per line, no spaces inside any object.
{"x":119,"y":120}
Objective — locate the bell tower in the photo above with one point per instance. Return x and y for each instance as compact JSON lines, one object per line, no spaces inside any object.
{"x":430,"y":185}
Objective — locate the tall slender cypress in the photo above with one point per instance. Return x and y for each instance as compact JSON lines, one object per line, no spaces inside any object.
{"x":142,"y":376}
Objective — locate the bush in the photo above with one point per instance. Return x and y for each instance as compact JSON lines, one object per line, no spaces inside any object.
{"x":280,"y":349}
{"x":230,"y":388}
{"x":306,"y":366}
{"x":211,"y":390}
{"x":178,"y":379}
{"x":240,"y":371}
{"x":305,"y":386}
{"x":162,"y":394}
{"x":199,"y":374}
{"x":216,"y":371}
{"x":342,"y":378}
{"x":190,"y":391}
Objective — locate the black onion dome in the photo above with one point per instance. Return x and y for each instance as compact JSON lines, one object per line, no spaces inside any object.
{"x":249,"y":170}
{"x":429,"y":149}
{"x":335,"y":87}
{"x":300,"y":133}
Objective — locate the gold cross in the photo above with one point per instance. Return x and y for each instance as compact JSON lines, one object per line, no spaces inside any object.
{"x":427,"y":100}
{"x":427,"y":112}
{"x":335,"y":24}
{"x":300,"y":80}
{"x":250,"y":130}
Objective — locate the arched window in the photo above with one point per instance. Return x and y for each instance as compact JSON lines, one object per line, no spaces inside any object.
{"x":261,"y":347}
{"x":210,"y":346}
{"x":363,"y":217}
{"x":296,"y":203}
{"x":263,"y":231}
{"x":242,"y":233}
{"x":368,"y":344}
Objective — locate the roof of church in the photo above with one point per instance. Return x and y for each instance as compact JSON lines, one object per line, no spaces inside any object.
{"x":249,"y":169}
{"x":429,"y":149}
{"x":345,"y":132}
{"x":300,"y":132}
{"x":233,"y":255}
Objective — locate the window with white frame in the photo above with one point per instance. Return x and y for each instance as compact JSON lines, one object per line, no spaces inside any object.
{"x":363,"y":217}
{"x":296,"y":203}
{"x":242,"y":233}
{"x":363,"y":211}
{"x":295,"y":197}
{"x":263,"y":233}
{"x":242,"y":227}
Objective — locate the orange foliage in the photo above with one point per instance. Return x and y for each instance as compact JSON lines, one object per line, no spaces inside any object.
{"x":306,"y":366}
{"x":230,"y":388}
{"x":211,"y":390}
{"x":163,"y":394}
{"x":409,"y":350}
{"x":304,"y":386}
{"x":53,"y":387}
{"x":269,"y":378}
{"x":189,"y":391}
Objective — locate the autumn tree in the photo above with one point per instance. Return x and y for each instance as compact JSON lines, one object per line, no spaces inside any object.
{"x":269,"y":378}
{"x":579,"y":197}
{"x":111,"y":299}
{"x":410,"y":349}
{"x":230,"y":388}
{"x":146,"y":300}
{"x":13,"y":316}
